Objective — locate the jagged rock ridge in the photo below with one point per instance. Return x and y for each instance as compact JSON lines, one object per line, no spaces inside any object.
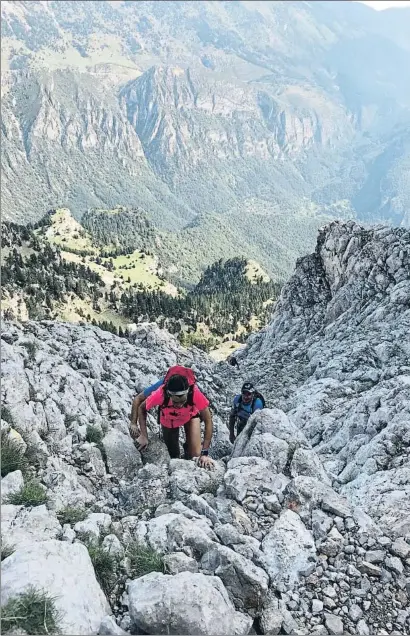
{"x":335,"y":357}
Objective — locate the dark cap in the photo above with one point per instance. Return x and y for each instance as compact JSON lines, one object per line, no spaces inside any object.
{"x":248,"y":387}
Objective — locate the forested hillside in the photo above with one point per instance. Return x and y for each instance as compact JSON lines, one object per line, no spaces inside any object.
{"x":58,"y":269}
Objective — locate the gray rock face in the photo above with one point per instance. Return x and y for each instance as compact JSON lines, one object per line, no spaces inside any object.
{"x":289,"y":548}
{"x":109,"y":627}
{"x":335,"y":359}
{"x":171,"y":532}
{"x":186,"y":603}
{"x":24,"y":526}
{"x":10,"y":484}
{"x":123,"y":458}
{"x":65,"y":571}
{"x":334,"y":624}
{"x":177,"y":562}
{"x":246,"y":583}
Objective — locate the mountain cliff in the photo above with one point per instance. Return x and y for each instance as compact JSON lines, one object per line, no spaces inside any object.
{"x":336,"y":358}
{"x":298,"y":109}
{"x":303,"y":527}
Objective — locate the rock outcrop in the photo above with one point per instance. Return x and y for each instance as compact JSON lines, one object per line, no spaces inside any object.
{"x":302,"y":528}
{"x":335,"y":358}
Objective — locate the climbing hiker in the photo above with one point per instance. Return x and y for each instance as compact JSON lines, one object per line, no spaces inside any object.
{"x":180,"y":403}
{"x":247,"y":402}
{"x":138,"y":400}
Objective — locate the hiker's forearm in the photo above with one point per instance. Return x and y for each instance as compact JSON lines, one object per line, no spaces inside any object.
{"x":142,"y":419}
{"x":135,"y":406}
{"x":231,"y":424}
{"x":208,"y":430}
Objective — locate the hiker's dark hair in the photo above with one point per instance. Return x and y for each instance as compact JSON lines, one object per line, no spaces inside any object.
{"x":177,"y":383}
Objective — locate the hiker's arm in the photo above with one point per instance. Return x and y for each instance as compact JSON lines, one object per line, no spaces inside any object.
{"x":231,"y":425}
{"x":137,"y":401}
{"x":207,"y":418}
{"x":142,"y":440}
{"x":142,"y":418}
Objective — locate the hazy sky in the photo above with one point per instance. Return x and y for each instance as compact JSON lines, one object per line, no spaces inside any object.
{"x":385,"y":4}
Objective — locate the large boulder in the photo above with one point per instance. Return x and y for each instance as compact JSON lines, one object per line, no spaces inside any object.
{"x":252,"y":474}
{"x":65,"y":571}
{"x":66,"y":487}
{"x":308,"y":493}
{"x":186,"y":603}
{"x":10,"y":484}
{"x":187,"y":478}
{"x":123,"y":459}
{"x":246,"y":583}
{"x":171,"y":532}
{"x":269,"y":434}
{"x":289,"y":549}
{"x":148,"y":490}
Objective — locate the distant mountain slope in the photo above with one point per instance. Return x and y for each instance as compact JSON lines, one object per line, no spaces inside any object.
{"x":192,"y":109}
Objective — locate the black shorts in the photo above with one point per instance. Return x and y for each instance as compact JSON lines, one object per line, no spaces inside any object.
{"x":171,"y":438}
{"x":240,"y":426}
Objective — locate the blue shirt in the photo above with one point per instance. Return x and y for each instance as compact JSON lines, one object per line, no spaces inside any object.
{"x":245,"y":410}
{"x":153,"y":387}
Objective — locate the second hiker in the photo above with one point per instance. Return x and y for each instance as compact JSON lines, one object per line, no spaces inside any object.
{"x":180,"y":403}
{"x":247,"y":402}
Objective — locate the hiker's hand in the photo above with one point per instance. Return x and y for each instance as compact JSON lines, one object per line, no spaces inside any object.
{"x":134,"y":431}
{"x":205,"y":461}
{"x":231,"y":437}
{"x":142,"y":442}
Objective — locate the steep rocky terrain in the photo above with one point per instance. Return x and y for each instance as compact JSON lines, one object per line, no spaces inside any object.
{"x":336,"y":358}
{"x":302,"y":528}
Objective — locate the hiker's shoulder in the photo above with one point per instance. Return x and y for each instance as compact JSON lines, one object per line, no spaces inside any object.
{"x":156,"y":398}
{"x":153,"y":387}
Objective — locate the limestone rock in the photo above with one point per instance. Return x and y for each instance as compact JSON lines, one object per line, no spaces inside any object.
{"x":10,"y":484}
{"x":289,"y":548}
{"x":186,"y":603}
{"x":65,"y":571}
{"x":246,"y":583}
{"x":26,"y":526}
{"x":177,"y":562}
{"x":123,"y":459}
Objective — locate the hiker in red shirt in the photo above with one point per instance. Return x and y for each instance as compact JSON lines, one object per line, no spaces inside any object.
{"x":180,"y":403}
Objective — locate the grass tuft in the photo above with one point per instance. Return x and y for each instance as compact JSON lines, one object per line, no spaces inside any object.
{"x":12,"y":455}
{"x":6,"y":550}
{"x":33,"y":611}
{"x":31,"y":494}
{"x":71,"y":515}
{"x":94,"y":435}
{"x":105,"y":566}
{"x":143,"y":560}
